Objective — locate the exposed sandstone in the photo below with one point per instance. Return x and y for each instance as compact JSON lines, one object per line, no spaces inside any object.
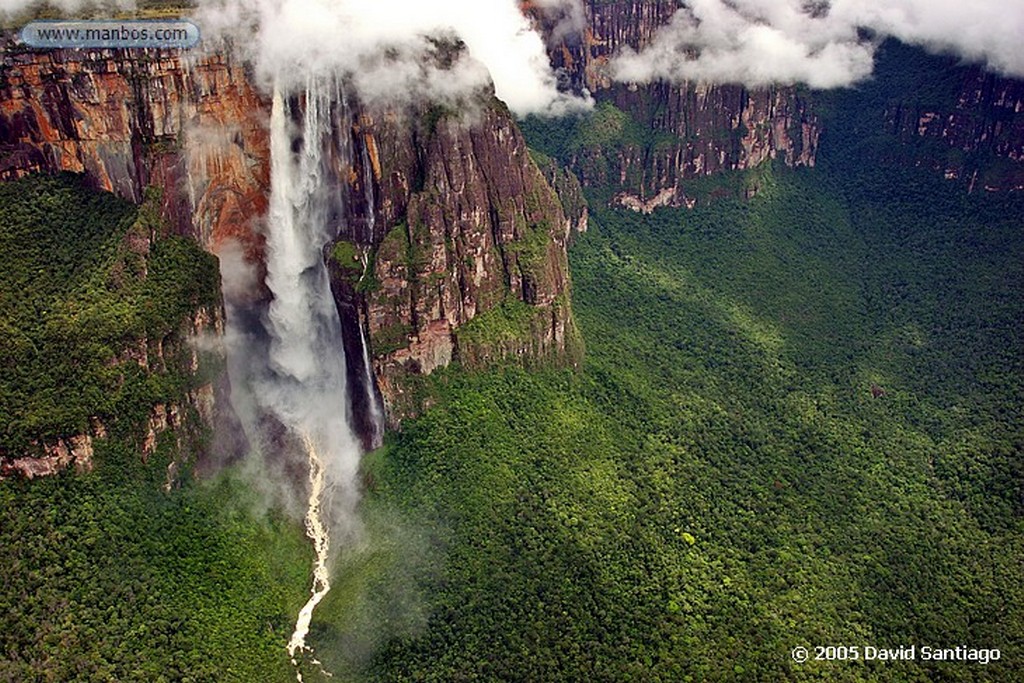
{"x":984,"y":123}
{"x":481,"y":224}
{"x":193,"y":127}
{"x":691,"y":130}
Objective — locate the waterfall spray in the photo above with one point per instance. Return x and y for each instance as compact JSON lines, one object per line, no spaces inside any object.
{"x":295,"y":374}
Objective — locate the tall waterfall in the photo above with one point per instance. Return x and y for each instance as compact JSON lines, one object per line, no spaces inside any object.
{"x":302,"y":383}
{"x":372,"y":399}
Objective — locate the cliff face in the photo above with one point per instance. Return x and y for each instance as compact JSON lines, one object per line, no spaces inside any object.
{"x":982,"y":130}
{"x":195,"y":129}
{"x":691,"y":130}
{"x":609,"y":25}
{"x":465,"y":232}
{"x":451,"y":217}
{"x":697,"y":131}
{"x":960,"y":120}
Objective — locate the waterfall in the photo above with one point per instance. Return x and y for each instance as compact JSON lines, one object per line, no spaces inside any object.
{"x":301,"y":380}
{"x":372,"y":399}
{"x":286,"y":357}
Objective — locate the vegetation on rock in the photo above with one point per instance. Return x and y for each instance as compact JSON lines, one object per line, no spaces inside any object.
{"x":116,"y":574}
{"x":799,"y":422}
{"x":86,"y":292}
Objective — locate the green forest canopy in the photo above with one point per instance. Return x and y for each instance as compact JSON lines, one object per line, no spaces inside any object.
{"x":717,"y":484}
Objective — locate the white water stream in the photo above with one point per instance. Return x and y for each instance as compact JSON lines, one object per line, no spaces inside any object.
{"x":303,"y":385}
{"x":318,"y":533}
{"x":376,"y":410}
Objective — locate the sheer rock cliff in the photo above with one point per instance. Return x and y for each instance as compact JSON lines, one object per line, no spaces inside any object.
{"x":452,"y":219}
{"x":977,"y":135}
{"x":689,"y":130}
{"x":472,"y":266}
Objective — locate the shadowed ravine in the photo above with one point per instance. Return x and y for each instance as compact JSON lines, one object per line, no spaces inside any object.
{"x":376,"y":411}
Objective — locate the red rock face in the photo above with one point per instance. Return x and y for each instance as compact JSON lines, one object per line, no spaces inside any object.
{"x":458,"y":216}
{"x":195,"y":129}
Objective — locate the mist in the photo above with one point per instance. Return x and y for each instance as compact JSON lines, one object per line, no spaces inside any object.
{"x":382,"y":47}
{"x":819,"y":43}
{"x":567,"y":17}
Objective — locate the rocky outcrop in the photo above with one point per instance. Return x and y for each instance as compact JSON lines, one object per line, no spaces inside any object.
{"x":471,"y":231}
{"x":686,"y":131}
{"x":450,"y":214}
{"x":982,"y":129}
{"x":186,"y":419}
{"x":53,"y":458}
{"x":666,"y":197}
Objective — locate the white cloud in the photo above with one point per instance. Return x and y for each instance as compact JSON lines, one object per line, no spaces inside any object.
{"x":756,"y":42}
{"x":566,"y":18}
{"x":382,"y":46}
{"x":990,"y":31}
